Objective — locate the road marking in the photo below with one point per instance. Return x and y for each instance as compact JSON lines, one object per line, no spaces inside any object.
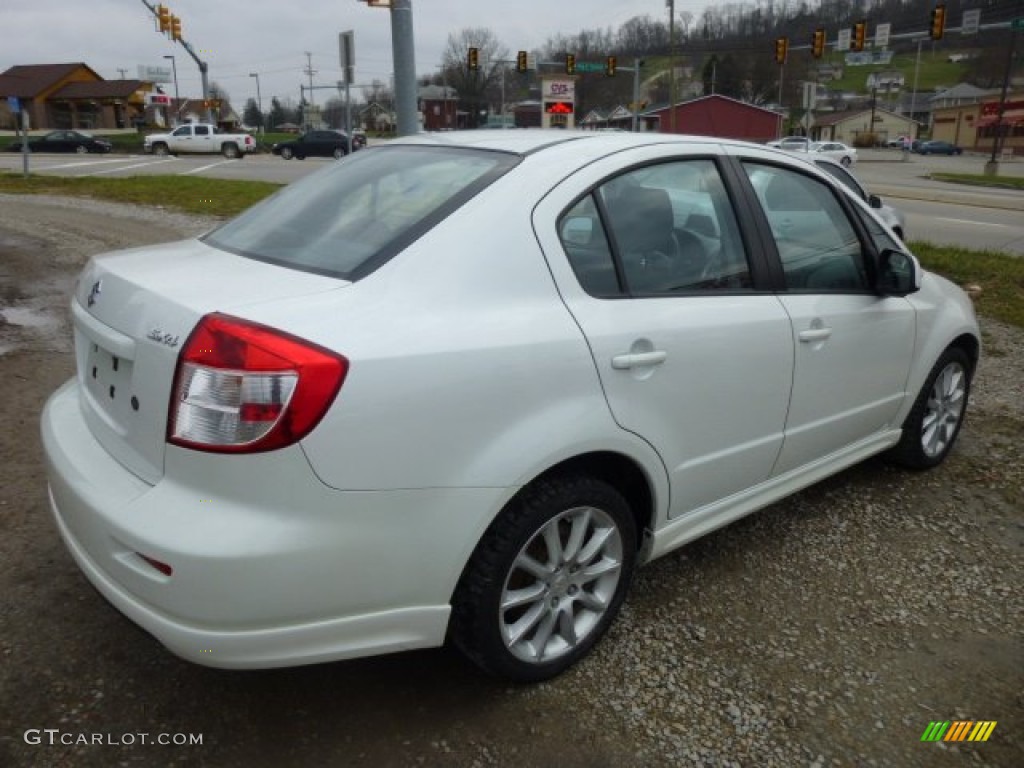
{"x":206,"y":167}
{"x":977,"y":223}
{"x":83,"y":165}
{"x":146,"y":164}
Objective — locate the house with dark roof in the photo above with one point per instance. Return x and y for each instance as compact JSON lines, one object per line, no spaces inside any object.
{"x":70,"y":96}
{"x":862,"y":127}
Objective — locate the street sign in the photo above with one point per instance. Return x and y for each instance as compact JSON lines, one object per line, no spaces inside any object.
{"x":13,"y":104}
{"x":843,"y":43}
{"x":971,"y":21}
{"x":882,"y":32}
{"x":589,"y":66}
{"x":1017,"y":23}
{"x":347,"y":57}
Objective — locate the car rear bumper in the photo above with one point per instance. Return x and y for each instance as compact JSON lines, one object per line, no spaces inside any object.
{"x":268,"y":570}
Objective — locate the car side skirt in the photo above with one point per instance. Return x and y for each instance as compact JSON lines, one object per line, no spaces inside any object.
{"x":706,"y":519}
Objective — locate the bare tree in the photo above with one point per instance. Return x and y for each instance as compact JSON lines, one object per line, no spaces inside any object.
{"x":477,"y":89}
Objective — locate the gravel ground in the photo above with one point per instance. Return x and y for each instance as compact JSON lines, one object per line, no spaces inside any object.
{"x":827,"y":630}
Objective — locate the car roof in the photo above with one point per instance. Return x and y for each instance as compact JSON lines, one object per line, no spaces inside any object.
{"x":533,"y":140}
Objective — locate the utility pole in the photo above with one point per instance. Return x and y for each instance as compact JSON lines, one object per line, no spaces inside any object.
{"x":671,"y":64}
{"x":259,"y":102}
{"x":992,"y":166}
{"x":309,"y":71}
{"x":122,"y":71}
{"x":636,"y":92}
{"x":403,"y":54}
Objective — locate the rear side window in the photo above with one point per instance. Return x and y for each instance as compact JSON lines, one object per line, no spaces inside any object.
{"x":350,"y":218}
{"x":666,"y":229}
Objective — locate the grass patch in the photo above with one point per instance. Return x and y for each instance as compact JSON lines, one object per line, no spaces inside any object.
{"x":212,"y":197}
{"x":980,"y":180}
{"x":936,"y":72}
{"x":1000,"y":276}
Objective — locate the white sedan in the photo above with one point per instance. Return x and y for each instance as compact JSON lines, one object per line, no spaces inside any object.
{"x":836,"y":150}
{"x":461,"y":386}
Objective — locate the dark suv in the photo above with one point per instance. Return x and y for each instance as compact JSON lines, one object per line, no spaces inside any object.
{"x":314,"y":144}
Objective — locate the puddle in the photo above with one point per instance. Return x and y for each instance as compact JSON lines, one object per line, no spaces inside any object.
{"x":28,"y":318}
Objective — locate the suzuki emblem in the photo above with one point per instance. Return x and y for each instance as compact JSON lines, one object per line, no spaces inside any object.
{"x":96,"y":290}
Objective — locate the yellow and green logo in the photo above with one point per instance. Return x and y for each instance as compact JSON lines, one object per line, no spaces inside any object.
{"x":959,"y":730}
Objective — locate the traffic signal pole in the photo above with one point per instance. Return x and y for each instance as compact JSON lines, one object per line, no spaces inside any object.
{"x":203,"y":66}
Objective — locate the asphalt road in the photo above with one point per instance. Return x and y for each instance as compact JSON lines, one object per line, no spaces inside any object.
{"x":939,"y":212}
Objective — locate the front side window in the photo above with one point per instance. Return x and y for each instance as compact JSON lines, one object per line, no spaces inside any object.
{"x":817,"y":243}
{"x":346,"y":221}
{"x":658,"y":230}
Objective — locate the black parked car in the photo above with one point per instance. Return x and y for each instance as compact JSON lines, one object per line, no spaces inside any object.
{"x":65,"y":141}
{"x":314,"y":144}
{"x":937,"y":148}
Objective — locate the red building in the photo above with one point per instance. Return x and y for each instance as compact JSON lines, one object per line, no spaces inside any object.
{"x":718,"y":116}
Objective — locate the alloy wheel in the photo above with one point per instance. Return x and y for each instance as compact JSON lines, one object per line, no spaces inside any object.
{"x":944,"y":409}
{"x":561,"y":584}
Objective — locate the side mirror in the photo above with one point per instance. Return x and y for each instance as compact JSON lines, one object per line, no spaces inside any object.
{"x":875,"y":201}
{"x":898,"y":273}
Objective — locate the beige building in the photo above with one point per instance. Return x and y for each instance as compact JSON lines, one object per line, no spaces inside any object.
{"x":862,"y":128}
{"x":974,"y":126}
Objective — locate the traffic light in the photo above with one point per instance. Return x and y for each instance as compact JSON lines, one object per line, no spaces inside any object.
{"x":163,"y":15}
{"x":473,"y":59}
{"x":570,"y":63}
{"x":938,"y":26}
{"x":860,"y":32}
{"x":175,"y":28}
{"x":521,"y":62}
{"x":818,"y":43}
{"x":781,"y":49}
{"x":609,"y":66}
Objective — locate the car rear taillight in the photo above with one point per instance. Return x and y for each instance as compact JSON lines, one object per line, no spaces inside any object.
{"x":241,"y":387}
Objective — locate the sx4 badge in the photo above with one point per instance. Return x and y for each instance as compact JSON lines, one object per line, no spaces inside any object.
{"x":167,"y":339}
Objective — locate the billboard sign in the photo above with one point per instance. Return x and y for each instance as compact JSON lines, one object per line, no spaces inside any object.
{"x":559,"y":89}
{"x":155,"y":74}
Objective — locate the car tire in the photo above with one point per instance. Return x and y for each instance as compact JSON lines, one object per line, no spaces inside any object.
{"x":230,"y":151}
{"x":286,"y":153}
{"x":846,"y":161}
{"x":338,"y":153}
{"x":560,"y":558}
{"x":81,"y":149}
{"x":932,"y":426}
{"x":161,"y":149}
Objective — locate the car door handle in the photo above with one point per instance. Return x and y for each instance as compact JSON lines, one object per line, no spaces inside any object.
{"x":814,"y":334}
{"x":638,"y":359}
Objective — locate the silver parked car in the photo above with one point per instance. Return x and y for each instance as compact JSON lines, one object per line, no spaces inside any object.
{"x":891,"y":216}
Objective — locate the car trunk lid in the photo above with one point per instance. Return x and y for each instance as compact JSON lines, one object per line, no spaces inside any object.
{"x":132,"y":313}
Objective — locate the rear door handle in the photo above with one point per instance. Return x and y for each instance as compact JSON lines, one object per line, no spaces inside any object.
{"x":638,"y":359}
{"x":814,"y":334}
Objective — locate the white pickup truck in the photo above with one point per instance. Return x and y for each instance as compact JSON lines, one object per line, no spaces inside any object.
{"x":199,"y":138}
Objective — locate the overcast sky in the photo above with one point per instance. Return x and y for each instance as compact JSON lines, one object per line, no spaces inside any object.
{"x":270,"y":37}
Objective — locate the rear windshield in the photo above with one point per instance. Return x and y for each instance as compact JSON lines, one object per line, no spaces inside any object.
{"x":348,"y":219}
